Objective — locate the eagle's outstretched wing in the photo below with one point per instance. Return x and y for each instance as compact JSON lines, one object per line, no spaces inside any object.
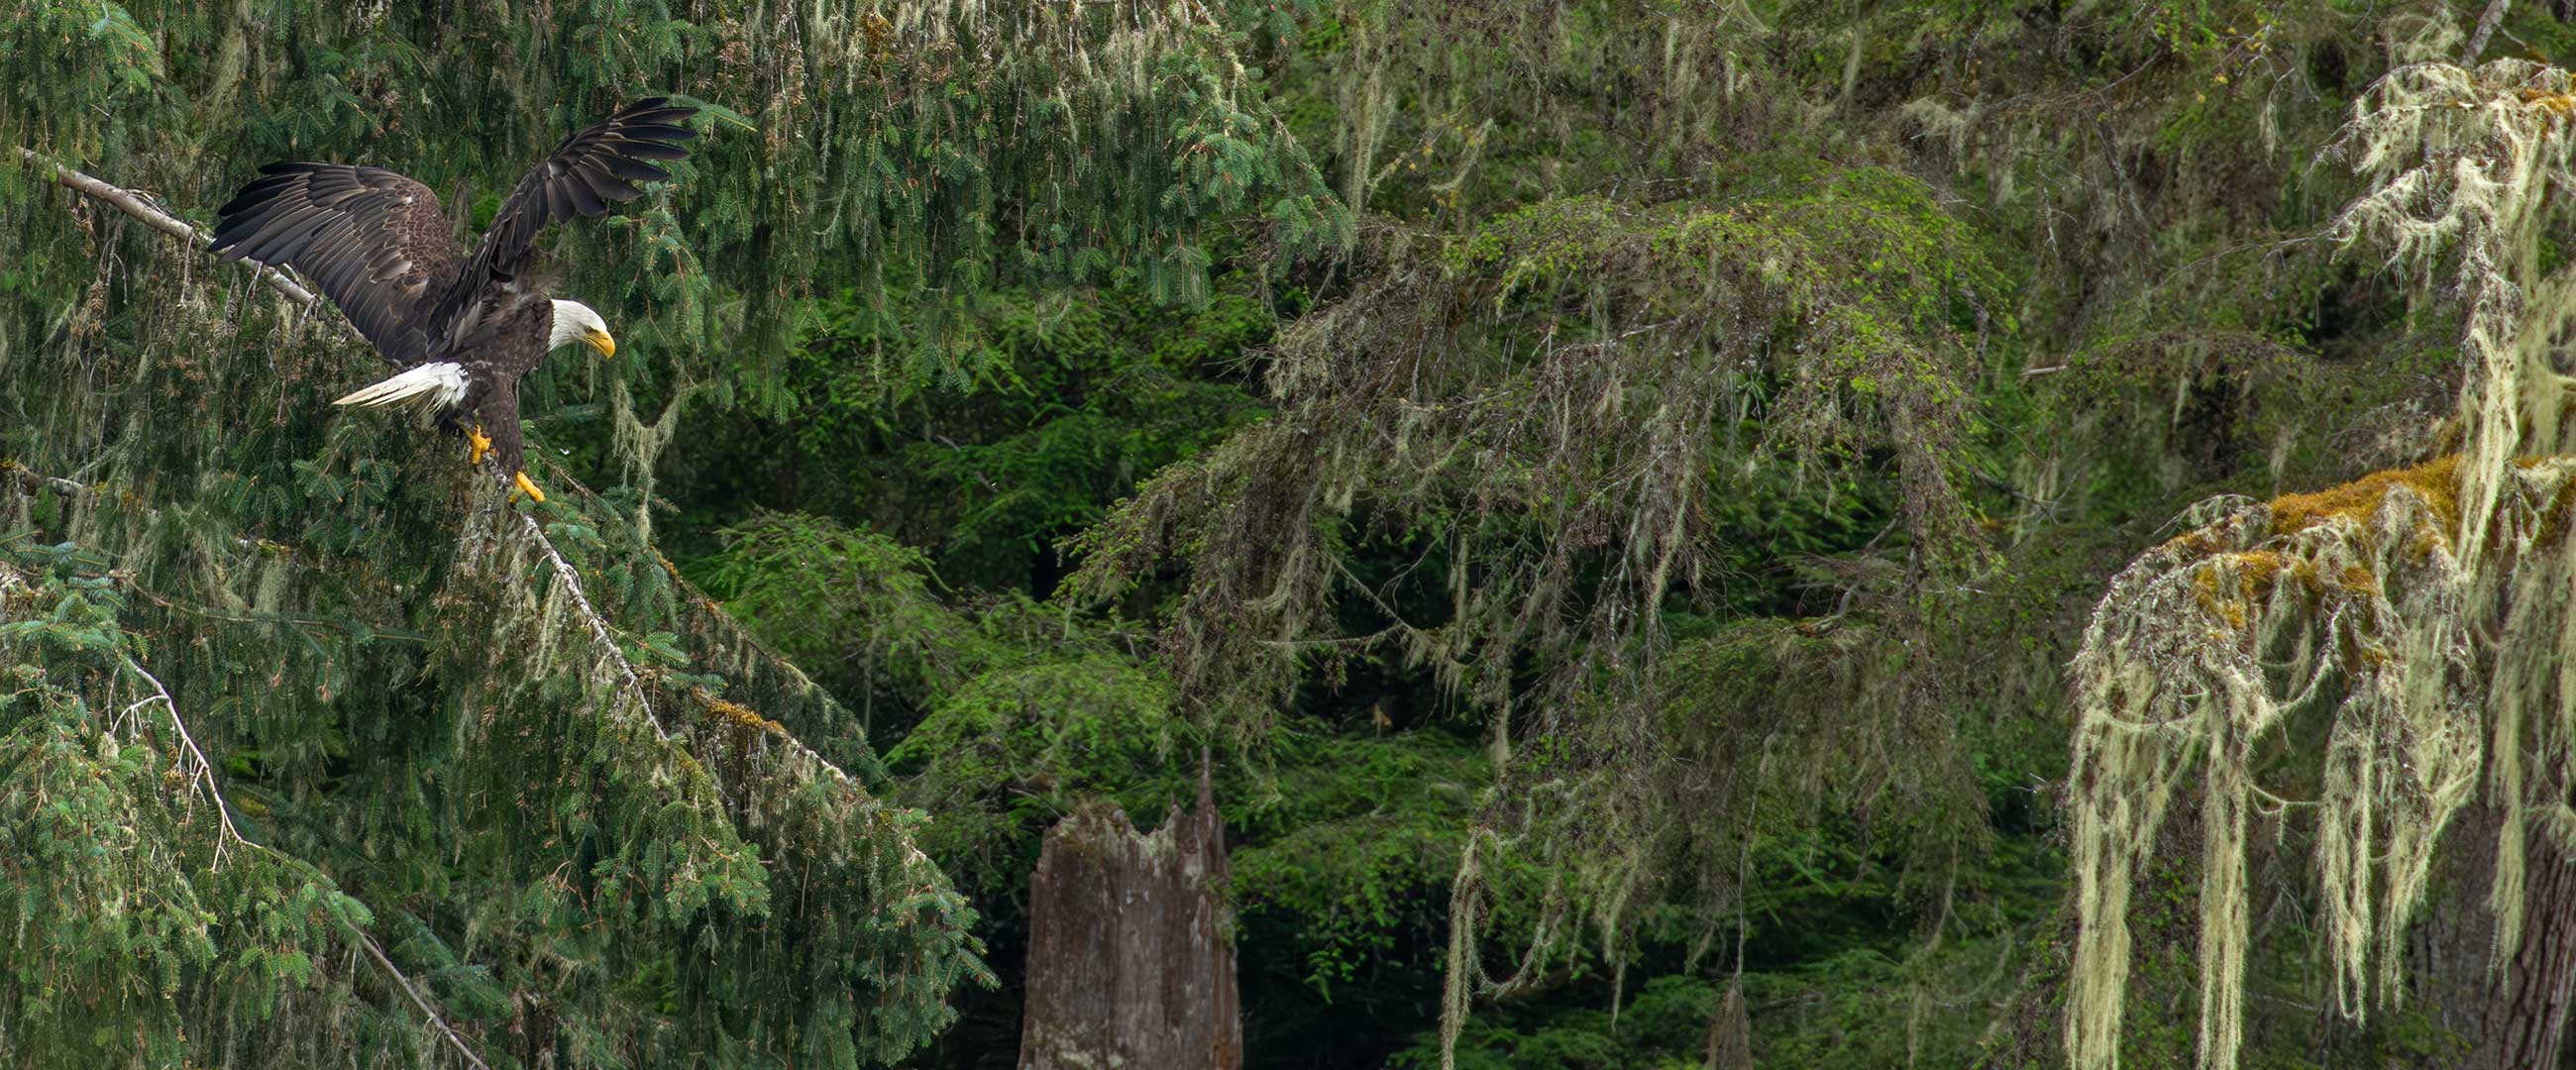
{"x":593,"y":170}
{"x":375,"y":242}
{"x":379,"y":246}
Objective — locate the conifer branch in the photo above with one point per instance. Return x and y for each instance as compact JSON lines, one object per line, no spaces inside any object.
{"x":600,"y":630}
{"x":201,"y":771}
{"x":133,"y":204}
{"x":598,"y":625}
{"x":426,"y":1010}
{"x":201,"y":780}
{"x":356,"y":628}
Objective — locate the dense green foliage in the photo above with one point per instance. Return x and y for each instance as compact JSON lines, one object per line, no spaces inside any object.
{"x":1608,"y":491}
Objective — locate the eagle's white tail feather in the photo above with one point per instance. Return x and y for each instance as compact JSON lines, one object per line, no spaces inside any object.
{"x":438,"y":384}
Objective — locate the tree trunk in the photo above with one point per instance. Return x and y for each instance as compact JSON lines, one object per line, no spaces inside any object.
{"x":1129,"y":961}
{"x":2516,"y":1018}
{"x":2527,"y":1024}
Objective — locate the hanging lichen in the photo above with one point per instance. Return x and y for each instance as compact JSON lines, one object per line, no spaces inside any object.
{"x":2367,"y":610}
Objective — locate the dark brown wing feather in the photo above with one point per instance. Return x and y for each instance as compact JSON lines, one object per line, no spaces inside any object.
{"x":593,"y":170}
{"x":372,"y":240}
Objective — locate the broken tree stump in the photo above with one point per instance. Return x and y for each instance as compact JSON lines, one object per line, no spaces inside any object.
{"x":1129,"y":960}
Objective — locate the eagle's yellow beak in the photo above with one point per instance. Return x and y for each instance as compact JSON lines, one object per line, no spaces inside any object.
{"x":600,"y":341}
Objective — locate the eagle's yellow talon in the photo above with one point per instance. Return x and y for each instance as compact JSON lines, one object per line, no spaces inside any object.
{"x":534,"y":495}
{"x":480,"y":444}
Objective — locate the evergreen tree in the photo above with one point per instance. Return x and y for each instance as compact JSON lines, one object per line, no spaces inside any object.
{"x":317,"y":751}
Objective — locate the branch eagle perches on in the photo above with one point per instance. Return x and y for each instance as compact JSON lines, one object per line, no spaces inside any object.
{"x":568,"y":579}
{"x":772,"y":827}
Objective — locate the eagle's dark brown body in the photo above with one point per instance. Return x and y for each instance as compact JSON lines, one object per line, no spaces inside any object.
{"x":518,"y":333}
{"x":463,"y":328}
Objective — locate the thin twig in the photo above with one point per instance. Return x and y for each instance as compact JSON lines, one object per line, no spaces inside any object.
{"x":128,"y":202}
{"x":201,"y":777}
{"x":352,"y":627}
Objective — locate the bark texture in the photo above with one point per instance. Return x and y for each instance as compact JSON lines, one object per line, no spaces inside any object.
{"x":2514,"y":1018}
{"x":2528,"y":1023}
{"x":1129,"y":960}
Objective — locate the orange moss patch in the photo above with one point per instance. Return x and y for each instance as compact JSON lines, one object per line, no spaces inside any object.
{"x":2205,"y":593}
{"x":2235,"y":612}
{"x":735,"y":713}
{"x":2258,"y":574}
{"x":2195,"y":542}
{"x":2425,"y":543}
{"x":2204,"y":581}
{"x":2437,"y":482}
{"x":2257,"y":571}
{"x":2562,"y":105}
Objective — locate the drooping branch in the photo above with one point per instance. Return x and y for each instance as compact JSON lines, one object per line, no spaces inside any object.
{"x":200,"y":776}
{"x":417,"y":1000}
{"x":632,"y":679}
{"x":134,"y":205}
{"x":2345,"y":610}
{"x":628,"y":679}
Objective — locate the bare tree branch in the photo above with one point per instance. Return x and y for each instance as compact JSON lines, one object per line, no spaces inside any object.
{"x":2487,"y":23}
{"x":201,"y":773}
{"x":201,"y":780}
{"x":130,"y":203}
{"x":570,"y":578}
{"x":404,"y":983}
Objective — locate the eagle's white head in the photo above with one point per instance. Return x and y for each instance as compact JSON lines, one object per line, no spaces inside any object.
{"x":575,"y":322}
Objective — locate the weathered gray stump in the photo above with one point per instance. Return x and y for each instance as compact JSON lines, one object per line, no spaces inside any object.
{"x":1129,"y":964}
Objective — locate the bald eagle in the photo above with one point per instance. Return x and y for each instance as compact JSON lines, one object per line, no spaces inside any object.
{"x":461,"y":328}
